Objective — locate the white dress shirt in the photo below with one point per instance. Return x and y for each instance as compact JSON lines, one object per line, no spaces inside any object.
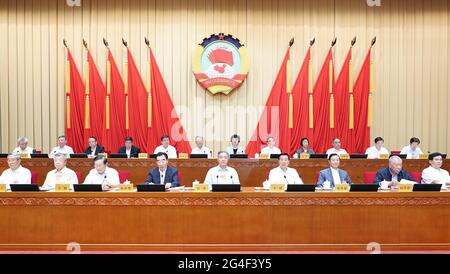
{"x":290,"y":176}
{"x":440,"y":175}
{"x":269,"y":151}
{"x":27,"y":150}
{"x":19,"y":176}
{"x":128,"y":152}
{"x":66,"y":150}
{"x":231,"y":151}
{"x":217,"y":175}
{"x":336,"y":177}
{"x":203,"y":150}
{"x":411,"y":154}
{"x":110,"y":176}
{"x":64,"y":176}
{"x":170,"y":151}
{"x":338,"y":152}
{"x":374,"y":153}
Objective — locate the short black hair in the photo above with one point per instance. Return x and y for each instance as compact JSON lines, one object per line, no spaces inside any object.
{"x":303,"y":139}
{"x":128,"y":138}
{"x":378,"y":139}
{"x":164,"y":137}
{"x":235,"y":136}
{"x":333,"y":154}
{"x":284,"y":154}
{"x":434,"y":155}
{"x":101,"y":157}
{"x":161,"y":154}
{"x":414,"y":140}
{"x":93,"y":137}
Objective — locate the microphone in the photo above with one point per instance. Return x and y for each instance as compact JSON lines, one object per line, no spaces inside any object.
{"x":231,"y":177}
{"x":162,"y":178}
{"x":217,"y":179}
{"x":286,"y":179}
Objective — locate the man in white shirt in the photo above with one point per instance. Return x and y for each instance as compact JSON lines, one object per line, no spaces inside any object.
{"x":103,"y":175}
{"x":413,"y":150}
{"x":270,"y":148}
{"x":234,"y":148}
{"x":222,"y":174}
{"x":61,"y":174}
{"x":15,"y":174}
{"x":62,"y":148}
{"x":378,"y":149}
{"x":434,"y":174}
{"x":166,"y":148}
{"x":283,"y":174}
{"x":23,"y":148}
{"x":200,"y":148}
{"x":336,"y":148}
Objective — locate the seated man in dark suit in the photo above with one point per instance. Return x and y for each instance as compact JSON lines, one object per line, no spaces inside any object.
{"x":329,"y":177}
{"x":394,"y":173}
{"x":163,"y":174}
{"x":129,"y":149}
{"x":93,"y":149}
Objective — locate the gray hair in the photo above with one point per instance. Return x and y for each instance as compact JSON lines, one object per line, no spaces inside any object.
{"x":22,"y":139}
{"x":15,"y":155}
{"x":223,"y":152}
{"x":394,"y":158}
{"x":58,"y":155}
{"x":198,"y":137}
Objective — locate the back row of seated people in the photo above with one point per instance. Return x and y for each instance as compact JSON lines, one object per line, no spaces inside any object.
{"x":412,"y":150}
{"x":221,"y":174}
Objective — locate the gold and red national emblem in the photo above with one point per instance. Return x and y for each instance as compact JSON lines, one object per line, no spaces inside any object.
{"x":220,"y":63}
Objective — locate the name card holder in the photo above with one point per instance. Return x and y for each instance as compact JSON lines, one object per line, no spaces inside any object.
{"x":62,"y":187}
{"x":341,"y":188}
{"x":423,"y":156}
{"x":103,"y":154}
{"x":304,"y":156}
{"x":277,"y":187}
{"x":142,"y":155}
{"x":384,"y":156}
{"x":126,"y":188}
{"x":264,"y":156}
{"x":2,"y":187}
{"x":183,"y":156}
{"x":25,"y":156}
{"x":344,"y":156}
{"x":201,"y":188}
{"x":405,"y":187}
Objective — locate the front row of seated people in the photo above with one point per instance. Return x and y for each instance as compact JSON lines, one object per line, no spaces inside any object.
{"x":220,"y":174}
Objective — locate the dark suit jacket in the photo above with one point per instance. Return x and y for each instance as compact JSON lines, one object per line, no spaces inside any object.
{"x":384,"y":174}
{"x":171,"y":176}
{"x":326,"y":175}
{"x":99,"y":149}
{"x":133,"y":153}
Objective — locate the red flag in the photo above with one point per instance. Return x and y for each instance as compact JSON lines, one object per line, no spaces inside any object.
{"x":302,"y":128}
{"x":362,"y":91}
{"x":345,"y":109}
{"x":136,"y":96}
{"x":274,"y":120}
{"x":164,"y":118}
{"x":323,"y":133}
{"x":97,"y":98}
{"x":115,"y":132}
{"x":74,"y":105}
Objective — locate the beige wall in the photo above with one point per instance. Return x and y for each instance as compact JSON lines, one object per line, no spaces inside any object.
{"x":412,"y":58}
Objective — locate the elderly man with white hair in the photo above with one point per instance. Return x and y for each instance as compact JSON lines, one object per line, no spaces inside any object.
{"x":200,"y":147}
{"x":61,"y":174}
{"x":15,"y":174}
{"x":394,"y":173}
{"x":22,"y":147}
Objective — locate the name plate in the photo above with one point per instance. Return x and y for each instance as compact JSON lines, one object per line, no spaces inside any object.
{"x":142,"y":155}
{"x":384,"y":156}
{"x":62,"y":187}
{"x":126,"y":187}
{"x":183,"y":156}
{"x":2,"y":187}
{"x":277,"y":187}
{"x":201,"y":188}
{"x":423,"y":156}
{"x":344,"y":156}
{"x":341,"y":188}
{"x":25,"y":156}
{"x":264,"y":156}
{"x":304,"y":156}
{"x":103,"y":154}
{"x":405,"y":187}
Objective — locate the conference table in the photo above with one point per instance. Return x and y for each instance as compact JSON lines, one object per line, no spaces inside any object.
{"x":250,"y":220}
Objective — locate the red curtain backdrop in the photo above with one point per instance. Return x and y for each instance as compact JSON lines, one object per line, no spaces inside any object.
{"x":75,"y":112}
{"x":165,"y":120}
{"x":114,"y":135}
{"x":274,"y":119}
{"x":137,"y":106}
{"x":322,"y":131}
{"x":342,"y":95}
{"x":300,"y":93}
{"x":97,"y":96}
{"x":361,"y":93}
